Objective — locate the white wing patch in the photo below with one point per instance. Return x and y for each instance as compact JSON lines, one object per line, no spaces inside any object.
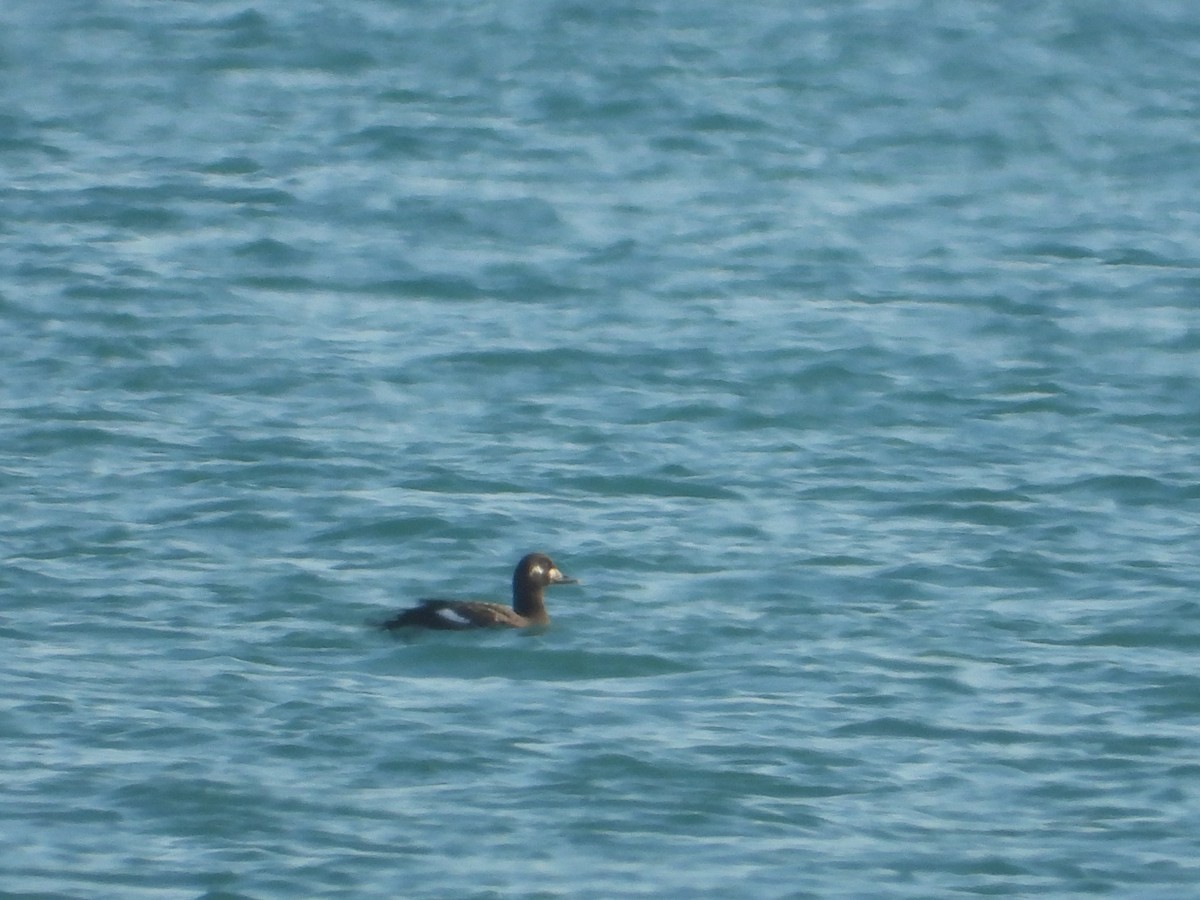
{"x":453,"y":616}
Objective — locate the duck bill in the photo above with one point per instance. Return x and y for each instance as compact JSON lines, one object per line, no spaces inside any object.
{"x":557,"y":577}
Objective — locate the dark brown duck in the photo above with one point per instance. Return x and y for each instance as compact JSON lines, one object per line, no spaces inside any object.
{"x":534,"y":573}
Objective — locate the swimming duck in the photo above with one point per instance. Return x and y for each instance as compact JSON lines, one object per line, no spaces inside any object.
{"x":534,"y":573}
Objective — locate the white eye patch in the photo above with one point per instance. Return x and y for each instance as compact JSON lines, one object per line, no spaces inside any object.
{"x":453,"y":616}
{"x":536,"y":570}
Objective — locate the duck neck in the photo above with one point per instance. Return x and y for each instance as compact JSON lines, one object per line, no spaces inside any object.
{"x":528,"y":602}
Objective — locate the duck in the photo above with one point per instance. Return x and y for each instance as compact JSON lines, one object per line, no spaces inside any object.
{"x":533,"y":574}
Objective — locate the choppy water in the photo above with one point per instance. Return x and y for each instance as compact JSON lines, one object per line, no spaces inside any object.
{"x":847,"y":352}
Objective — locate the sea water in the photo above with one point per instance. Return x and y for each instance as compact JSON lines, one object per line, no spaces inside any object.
{"x":847,"y":353}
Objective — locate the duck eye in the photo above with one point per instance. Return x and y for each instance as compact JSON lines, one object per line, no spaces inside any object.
{"x":536,"y":570}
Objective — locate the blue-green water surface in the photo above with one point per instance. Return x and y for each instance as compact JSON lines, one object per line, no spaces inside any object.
{"x":849,"y":353}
